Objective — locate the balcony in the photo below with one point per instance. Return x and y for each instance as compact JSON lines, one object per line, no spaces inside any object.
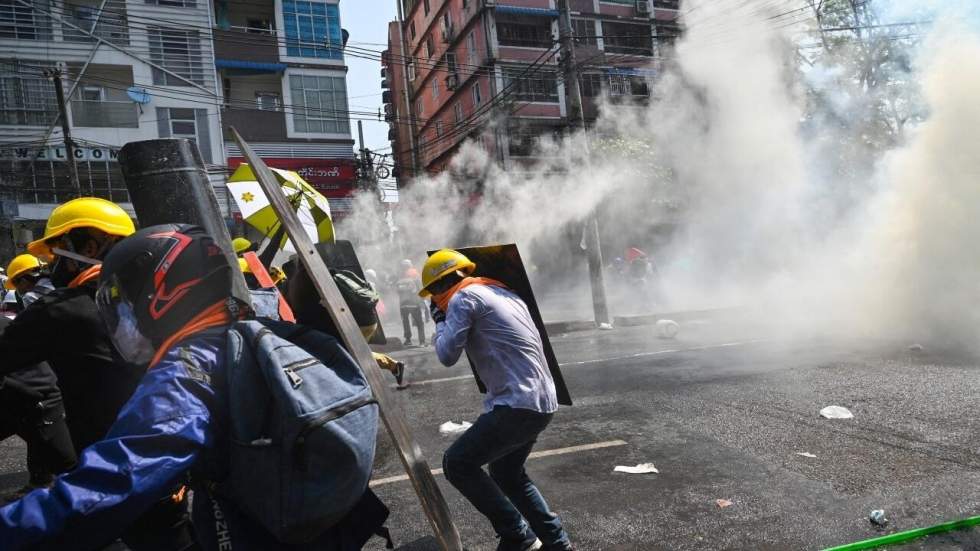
{"x":241,"y":46}
{"x":255,"y":124}
{"x":104,"y":114}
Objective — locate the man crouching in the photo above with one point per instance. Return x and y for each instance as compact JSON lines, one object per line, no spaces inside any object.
{"x":494,"y":326}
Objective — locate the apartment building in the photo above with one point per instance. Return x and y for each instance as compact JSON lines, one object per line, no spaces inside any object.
{"x":471,"y":61}
{"x":131,"y":70}
{"x":283,"y":78}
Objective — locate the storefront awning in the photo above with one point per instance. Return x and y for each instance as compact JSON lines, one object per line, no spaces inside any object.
{"x":520,"y":10}
{"x":257,"y":66}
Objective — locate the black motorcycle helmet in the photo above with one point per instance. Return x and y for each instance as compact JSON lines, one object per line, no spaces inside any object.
{"x":157,"y":280}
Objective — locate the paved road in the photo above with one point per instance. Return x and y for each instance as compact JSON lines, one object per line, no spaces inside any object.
{"x":723,"y":413}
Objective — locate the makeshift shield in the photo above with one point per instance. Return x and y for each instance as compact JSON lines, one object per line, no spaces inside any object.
{"x":503,"y":263}
{"x":340,"y":255}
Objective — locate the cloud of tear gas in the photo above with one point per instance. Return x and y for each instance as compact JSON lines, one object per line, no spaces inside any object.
{"x":757,"y":175}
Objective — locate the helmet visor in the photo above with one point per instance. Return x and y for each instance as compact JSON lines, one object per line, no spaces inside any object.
{"x":120,"y":320}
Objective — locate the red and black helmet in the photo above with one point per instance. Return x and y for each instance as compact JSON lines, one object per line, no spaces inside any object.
{"x":161,"y":277}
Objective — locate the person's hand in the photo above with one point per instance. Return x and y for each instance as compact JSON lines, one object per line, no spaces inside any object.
{"x":437,"y":314}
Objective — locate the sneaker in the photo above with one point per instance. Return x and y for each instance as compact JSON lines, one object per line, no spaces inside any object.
{"x":400,"y":375}
{"x":530,"y":544}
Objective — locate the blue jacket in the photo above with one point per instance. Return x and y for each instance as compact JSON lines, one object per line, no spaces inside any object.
{"x":170,"y":426}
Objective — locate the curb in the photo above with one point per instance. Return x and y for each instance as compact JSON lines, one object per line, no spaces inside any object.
{"x":636,"y":320}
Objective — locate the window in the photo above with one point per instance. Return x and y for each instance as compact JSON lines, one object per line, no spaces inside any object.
{"x":477,"y":95}
{"x":312,"y":29}
{"x":178,"y":51}
{"x":584,"y":31}
{"x":471,"y":48}
{"x":226,"y":89}
{"x":591,"y":85}
{"x":450,"y":61}
{"x":25,"y":100}
{"x":523,"y":30}
{"x":523,"y":139}
{"x":435,"y":88}
{"x":418,"y":109}
{"x":319,"y":104}
{"x":430,"y":47}
{"x":411,"y":29}
{"x":23,"y":22}
{"x":627,"y":38}
{"x":411,"y":71}
{"x":183,"y":124}
{"x":539,"y":85}
{"x":93,"y":93}
{"x":438,"y":128}
{"x":174,"y":3}
{"x":258,"y":26}
{"x":628,"y":85}
{"x":425,"y":6}
{"x":112,"y":25}
{"x":267,"y":101}
{"x":192,"y":124}
{"x":667,"y":34}
{"x":447,"y":26}
{"x":458,"y":113}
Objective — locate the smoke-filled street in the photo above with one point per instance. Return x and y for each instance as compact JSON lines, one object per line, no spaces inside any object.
{"x":723,"y":415}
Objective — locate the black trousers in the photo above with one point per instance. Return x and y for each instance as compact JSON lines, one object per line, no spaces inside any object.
{"x":415,"y":313}
{"x":49,"y":447}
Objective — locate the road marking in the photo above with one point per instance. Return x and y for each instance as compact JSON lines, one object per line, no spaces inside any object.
{"x":600,"y":360}
{"x":534,"y":455}
{"x":432,"y":381}
{"x":662,"y":352}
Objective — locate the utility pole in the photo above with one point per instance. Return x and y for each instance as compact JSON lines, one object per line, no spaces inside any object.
{"x":59,"y":91}
{"x":369,"y":181}
{"x":576,"y":120}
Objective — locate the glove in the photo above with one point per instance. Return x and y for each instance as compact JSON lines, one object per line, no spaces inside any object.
{"x":438,"y":315}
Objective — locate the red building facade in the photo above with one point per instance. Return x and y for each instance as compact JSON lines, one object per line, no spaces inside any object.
{"x":470,"y":62}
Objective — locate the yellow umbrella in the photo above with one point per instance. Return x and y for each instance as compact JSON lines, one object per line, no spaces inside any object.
{"x":311,"y":207}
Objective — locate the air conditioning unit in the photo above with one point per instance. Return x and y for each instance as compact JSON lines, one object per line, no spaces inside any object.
{"x":386,"y":96}
{"x":452,"y":81}
{"x":642,"y":7}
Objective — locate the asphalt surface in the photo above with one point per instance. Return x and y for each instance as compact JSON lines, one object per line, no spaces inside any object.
{"x":723,"y":412}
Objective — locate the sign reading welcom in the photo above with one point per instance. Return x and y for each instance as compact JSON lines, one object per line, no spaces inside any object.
{"x":55,"y":153}
{"x":332,"y":177}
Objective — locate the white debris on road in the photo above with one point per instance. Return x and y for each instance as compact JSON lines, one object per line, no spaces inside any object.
{"x":454,"y":428}
{"x":805,"y":454}
{"x":667,"y":329}
{"x":836,"y":412}
{"x":642,"y":468}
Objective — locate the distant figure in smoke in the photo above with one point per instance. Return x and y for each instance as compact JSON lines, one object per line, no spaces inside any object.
{"x":411,"y":306}
{"x":642,"y":274}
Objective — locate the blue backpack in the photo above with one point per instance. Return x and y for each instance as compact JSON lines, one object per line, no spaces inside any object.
{"x":303,"y":425}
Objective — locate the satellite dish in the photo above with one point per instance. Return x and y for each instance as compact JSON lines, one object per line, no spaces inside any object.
{"x":139,"y":95}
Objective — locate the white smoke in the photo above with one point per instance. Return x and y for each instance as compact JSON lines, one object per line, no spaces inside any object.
{"x":754,"y":177}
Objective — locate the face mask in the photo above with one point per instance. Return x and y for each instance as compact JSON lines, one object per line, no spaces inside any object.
{"x":129,"y":341}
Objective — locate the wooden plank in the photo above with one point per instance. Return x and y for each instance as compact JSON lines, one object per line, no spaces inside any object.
{"x":433,"y":502}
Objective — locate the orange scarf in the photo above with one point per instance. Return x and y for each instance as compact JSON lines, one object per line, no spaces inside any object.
{"x":86,"y":276}
{"x":442,"y":299}
{"x":215,"y":315}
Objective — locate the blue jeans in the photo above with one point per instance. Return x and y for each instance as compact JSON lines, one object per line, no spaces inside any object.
{"x":503,"y":438}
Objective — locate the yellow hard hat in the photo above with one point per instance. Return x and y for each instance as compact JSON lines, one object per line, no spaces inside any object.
{"x":19,"y":265}
{"x":441,"y":264}
{"x":84,"y":212}
{"x":240,"y":244}
{"x":243,"y":266}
